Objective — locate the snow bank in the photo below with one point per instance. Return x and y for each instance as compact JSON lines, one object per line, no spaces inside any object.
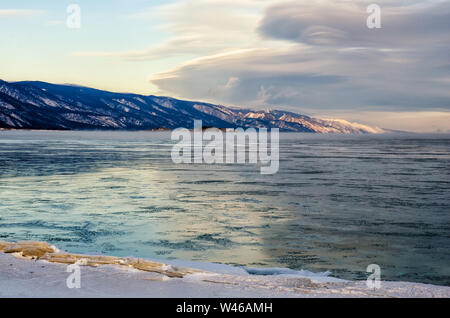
{"x":23,"y":274}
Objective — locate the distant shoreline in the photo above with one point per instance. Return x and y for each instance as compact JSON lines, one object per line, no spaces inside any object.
{"x":222,"y":129}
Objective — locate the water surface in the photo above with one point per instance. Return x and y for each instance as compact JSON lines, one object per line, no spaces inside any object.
{"x":338,"y":203}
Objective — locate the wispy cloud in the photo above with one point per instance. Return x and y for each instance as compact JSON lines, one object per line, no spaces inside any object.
{"x":199,"y":28}
{"x":16,"y":13}
{"x":53,"y":23}
{"x":97,"y":54}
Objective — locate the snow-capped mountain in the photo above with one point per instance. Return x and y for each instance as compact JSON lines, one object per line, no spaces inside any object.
{"x":40,"y":105}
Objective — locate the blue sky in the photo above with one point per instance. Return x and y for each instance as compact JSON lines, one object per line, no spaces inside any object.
{"x":39,"y":46}
{"x":313,"y":57}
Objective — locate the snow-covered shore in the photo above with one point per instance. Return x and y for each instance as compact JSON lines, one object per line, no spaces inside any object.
{"x":24,"y":277}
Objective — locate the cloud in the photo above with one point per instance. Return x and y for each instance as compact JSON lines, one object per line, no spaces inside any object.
{"x":343,"y":24}
{"x":329,"y":60}
{"x":97,"y":54}
{"x":199,"y":28}
{"x":223,"y":90}
{"x":301,"y":78}
{"x":15,"y":13}
{"x":53,"y":23}
{"x":249,"y":75}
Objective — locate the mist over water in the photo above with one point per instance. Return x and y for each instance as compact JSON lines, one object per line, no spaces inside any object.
{"x":338,"y":203}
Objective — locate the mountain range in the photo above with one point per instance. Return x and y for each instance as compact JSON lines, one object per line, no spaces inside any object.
{"x":41,"y":105}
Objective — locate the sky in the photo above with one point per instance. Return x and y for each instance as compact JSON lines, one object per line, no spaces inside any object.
{"x":317,"y":58}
